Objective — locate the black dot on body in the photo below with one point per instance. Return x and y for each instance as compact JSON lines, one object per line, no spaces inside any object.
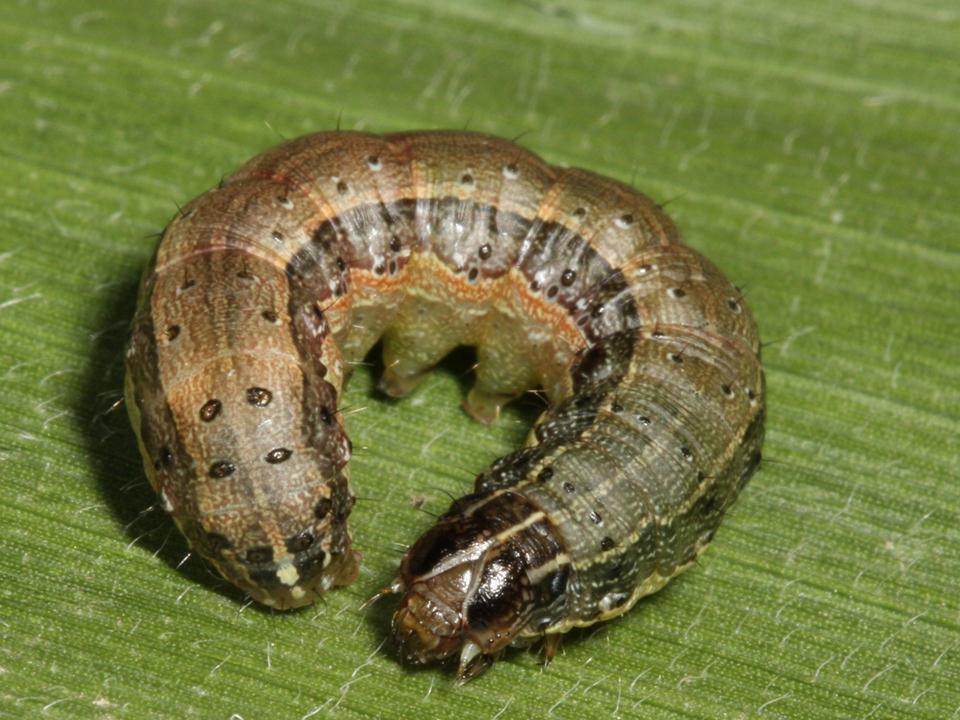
{"x":210,"y":409}
{"x":172,"y":332}
{"x":259,"y":554}
{"x":269,"y":315}
{"x":258,"y":396}
{"x":342,"y":187}
{"x":687,"y":453}
{"x":222,"y":469}
{"x":278,"y":455}
{"x":300,"y":542}
{"x":165,"y":458}
{"x":322,"y":508}
{"x":616,"y":407}
{"x":583,"y":400}
{"x":569,"y":487}
{"x":607,"y":543}
{"x":466,"y":179}
{"x":218,"y":542}
{"x":545,"y":474}
{"x":307,"y":565}
{"x":277,"y":236}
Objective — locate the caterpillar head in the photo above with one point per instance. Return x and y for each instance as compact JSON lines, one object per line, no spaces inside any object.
{"x":485,"y":575}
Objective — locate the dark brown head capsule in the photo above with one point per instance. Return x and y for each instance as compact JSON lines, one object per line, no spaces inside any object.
{"x":491,"y":570}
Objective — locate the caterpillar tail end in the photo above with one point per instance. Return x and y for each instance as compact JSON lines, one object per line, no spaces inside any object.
{"x":287,"y":589}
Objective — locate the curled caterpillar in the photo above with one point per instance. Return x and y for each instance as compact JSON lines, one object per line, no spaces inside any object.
{"x":263,"y":292}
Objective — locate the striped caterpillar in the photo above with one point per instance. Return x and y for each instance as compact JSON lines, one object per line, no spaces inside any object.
{"x":263,"y":292}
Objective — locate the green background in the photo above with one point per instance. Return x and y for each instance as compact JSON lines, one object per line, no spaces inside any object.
{"x":811,"y":149}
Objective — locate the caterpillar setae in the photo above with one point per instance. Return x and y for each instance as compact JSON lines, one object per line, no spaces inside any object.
{"x":263,"y":291}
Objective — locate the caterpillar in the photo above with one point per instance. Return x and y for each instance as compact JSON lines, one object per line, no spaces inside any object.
{"x":263,"y":292}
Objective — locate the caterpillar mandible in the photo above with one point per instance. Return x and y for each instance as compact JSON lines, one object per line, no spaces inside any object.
{"x":263,"y":291}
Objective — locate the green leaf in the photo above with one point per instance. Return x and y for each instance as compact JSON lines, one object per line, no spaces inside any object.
{"x":812,"y":150}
